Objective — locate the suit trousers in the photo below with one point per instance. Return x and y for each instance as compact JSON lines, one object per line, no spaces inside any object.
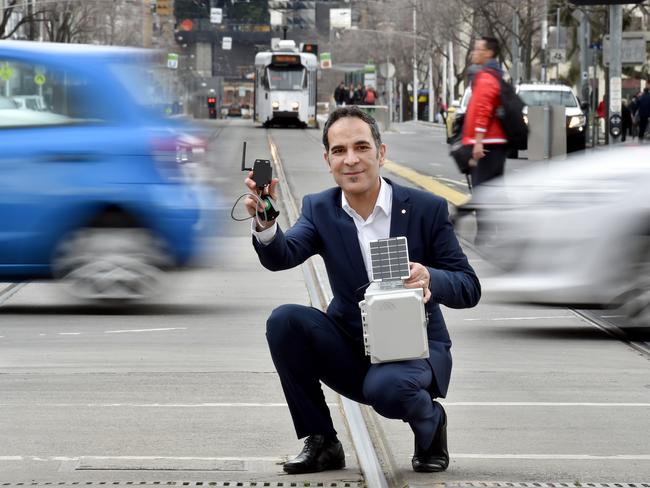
{"x":307,"y":347}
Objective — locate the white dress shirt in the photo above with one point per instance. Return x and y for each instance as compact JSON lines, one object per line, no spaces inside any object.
{"x":376,"y":226}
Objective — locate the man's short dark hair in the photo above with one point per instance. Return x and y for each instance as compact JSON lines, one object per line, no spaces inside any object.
{"x":351,"y":111}
{"x":492,"y":44}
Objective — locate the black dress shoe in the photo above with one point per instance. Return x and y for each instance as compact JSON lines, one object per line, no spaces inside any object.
{"x":436,"y":457}
{"x":319,"y":454}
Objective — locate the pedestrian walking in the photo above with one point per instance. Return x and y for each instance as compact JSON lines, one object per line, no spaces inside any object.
{"x":349,"y":95}
{"x":359,"y":94}
{"x":643,"y":111}
{"x":481,"y":126}
{"x":309,"y":347}
{"x":339,"y":94}
{"x":626,"y":120}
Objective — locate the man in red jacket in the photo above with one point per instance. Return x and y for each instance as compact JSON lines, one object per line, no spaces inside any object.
{"x":481,"y":127}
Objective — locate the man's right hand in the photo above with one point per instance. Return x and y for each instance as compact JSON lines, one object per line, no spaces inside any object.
{"x":253,"y":204}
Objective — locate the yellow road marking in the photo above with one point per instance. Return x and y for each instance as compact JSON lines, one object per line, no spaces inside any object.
{"x":429,"y":183}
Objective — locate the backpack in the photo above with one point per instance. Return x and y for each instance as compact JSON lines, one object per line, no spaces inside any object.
{"x":510,"y":114}
{"x":370,"y":96}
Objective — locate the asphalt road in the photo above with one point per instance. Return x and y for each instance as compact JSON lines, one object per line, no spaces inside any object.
{"x":183,"y":388}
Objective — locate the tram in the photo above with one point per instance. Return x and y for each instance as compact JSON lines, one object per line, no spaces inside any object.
{"x":285,"y":86}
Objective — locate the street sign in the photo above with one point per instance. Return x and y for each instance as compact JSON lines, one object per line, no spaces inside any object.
{"x":172,"y":61}
{"x":387,"y":70}
{"x":6,"y":72}
{"x":39,"y":79}
{"x":325,"y":60}
{"x":557,"y":56}
{"x":216,"y":15}
{"x":633,"y":48}
{"x":340,"y":18}
{"x":226,"y":43}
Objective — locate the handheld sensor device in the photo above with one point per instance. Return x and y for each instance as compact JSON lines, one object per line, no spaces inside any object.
{"x":262,"y":176}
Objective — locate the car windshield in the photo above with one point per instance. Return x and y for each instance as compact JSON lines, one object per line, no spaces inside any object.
{"x":537,"y":98}
{"x":144,"y":82}
{"x":286,"y":79}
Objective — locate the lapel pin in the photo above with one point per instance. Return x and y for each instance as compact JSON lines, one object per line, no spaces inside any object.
{"x":403,"y":211}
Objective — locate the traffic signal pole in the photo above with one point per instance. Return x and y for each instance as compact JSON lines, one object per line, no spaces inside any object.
{"x":615,"y":122}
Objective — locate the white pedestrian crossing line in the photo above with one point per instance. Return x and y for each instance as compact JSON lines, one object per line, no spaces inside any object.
{"x":499,"y":319}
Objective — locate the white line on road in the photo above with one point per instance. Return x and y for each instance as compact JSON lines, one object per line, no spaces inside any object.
{"x":143,"y":330}
{"x":69,"y":333}
{"x":555,"y":457}
{"x":495,"y":319}
{"x":262,"y":405}
{"x":545,"y":404}
{"x":537,"y":457}
{"x":153,"y":405}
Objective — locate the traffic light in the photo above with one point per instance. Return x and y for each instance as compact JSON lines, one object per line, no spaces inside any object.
{"x":212,"y":107}
{"x":310,"y":48}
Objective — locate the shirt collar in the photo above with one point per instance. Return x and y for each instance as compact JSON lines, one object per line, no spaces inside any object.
{"x":384,"y":199}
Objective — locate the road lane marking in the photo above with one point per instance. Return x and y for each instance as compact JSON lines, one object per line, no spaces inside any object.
{"x":153,"y":405}
{"x":495,"y":319}
{"x":534,"y":457}
{"x":556,"y":457}
{"x":545,"y":404}
{"x":428,"y":183}
{"x":143,"y":330}
{"x":69,"y":333}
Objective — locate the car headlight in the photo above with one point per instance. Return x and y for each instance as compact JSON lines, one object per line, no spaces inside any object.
{"x":577,"y":121}
{"x":275,"y":105}
{"x":526,"y":119}
{"x":295,"y":106}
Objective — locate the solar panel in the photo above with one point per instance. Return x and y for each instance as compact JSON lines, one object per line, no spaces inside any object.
{"x":390,"y":259}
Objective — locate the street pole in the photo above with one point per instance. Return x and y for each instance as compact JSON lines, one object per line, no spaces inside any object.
{"x":431,"y":94}
{"x":584,"y":69}
{"x":415,"y":65}
{"x":557,"y":43}
{"x":389,"y":89}
{"x":545,"y":41}
{"x":444,"y":82}
{"x":450,"y":72}
{"x":615,"y":68}
{"x":514,"y":73}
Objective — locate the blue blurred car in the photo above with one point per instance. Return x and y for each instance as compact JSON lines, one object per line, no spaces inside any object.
{"x":94,"y":189}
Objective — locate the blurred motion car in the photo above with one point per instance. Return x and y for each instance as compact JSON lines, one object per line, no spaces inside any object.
{"x":95,"y":190}
{"x":572,"y":233}
{"x":538,"y":94}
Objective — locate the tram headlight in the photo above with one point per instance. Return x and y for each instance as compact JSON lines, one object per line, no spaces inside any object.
{"x":295,"y":106}
{"x":275,"y":105}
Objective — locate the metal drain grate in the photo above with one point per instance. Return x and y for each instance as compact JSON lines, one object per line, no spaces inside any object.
{"x":503,"y":484}
{"x":207,"y":484}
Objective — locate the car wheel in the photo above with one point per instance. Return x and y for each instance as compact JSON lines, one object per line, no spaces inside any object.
{"x":109,"y":264}
{"x":635,"y":303}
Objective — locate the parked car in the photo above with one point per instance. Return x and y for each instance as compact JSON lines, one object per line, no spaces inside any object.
{"x":234,"y":110}
{"x":94,"y":191}
{"x":536,"y":94}
{"x":574,"y":232}
{"x":539,"y":94}
{"x":30,"y":102}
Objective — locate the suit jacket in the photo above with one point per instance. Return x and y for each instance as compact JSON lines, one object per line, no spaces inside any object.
{"x":325,"y":229}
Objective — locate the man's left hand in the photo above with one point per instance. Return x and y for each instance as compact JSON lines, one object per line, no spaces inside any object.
{"x":419,"y":279}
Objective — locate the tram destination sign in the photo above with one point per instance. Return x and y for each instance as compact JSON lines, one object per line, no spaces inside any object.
{"x":285,"y":59}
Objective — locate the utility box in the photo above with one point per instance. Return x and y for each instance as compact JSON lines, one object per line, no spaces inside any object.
{"x":546,"y":132}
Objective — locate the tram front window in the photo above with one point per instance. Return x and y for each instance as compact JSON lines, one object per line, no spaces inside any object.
{"x":286,"y":79}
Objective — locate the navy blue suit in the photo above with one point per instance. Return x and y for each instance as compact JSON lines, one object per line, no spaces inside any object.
{"x":309,"y":346}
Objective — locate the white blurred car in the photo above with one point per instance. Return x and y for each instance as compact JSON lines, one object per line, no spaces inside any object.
{"x":572,"y":233}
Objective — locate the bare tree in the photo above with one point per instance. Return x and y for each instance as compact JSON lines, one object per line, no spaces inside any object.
{"x":16,"y":15}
